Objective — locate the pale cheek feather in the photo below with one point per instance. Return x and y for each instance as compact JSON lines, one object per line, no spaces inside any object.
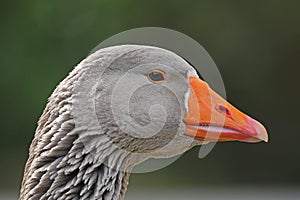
{"x":190,"y":73}
{"x":186,"y":99}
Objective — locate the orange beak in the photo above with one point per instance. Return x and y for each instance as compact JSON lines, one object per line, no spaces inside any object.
{"x":212,"y":118}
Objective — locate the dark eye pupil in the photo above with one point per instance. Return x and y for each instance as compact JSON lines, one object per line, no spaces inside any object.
{"x":156,"y":76}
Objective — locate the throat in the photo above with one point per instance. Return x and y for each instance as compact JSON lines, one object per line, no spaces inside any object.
{"x":76,"y":173}
{"x":70,"y":180}
{"x":101,"y":182}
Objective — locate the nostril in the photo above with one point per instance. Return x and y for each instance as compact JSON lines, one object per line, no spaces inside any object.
{"x":223,"y":109}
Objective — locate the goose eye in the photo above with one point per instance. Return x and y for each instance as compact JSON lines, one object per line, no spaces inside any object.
{"x":156,"y":76}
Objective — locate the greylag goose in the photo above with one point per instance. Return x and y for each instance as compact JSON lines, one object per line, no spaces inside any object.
{"x":119,"y":107}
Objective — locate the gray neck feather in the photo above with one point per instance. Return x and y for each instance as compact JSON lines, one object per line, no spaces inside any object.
{"x":59,"y":165}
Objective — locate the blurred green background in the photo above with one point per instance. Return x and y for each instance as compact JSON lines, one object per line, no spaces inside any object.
{"x":255,"y":44}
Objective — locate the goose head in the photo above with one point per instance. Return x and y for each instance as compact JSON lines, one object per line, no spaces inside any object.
{"x":117,"y":108}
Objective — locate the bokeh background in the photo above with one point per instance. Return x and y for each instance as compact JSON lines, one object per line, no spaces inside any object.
{"x":255,"y":44}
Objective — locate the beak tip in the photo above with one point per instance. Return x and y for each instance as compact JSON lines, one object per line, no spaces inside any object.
{"x":264,"y":136}
{"x":265,"y":139}
{"x":261,"y":131}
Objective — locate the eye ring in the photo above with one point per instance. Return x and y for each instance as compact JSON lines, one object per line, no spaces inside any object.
{"x":156,"y":76}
